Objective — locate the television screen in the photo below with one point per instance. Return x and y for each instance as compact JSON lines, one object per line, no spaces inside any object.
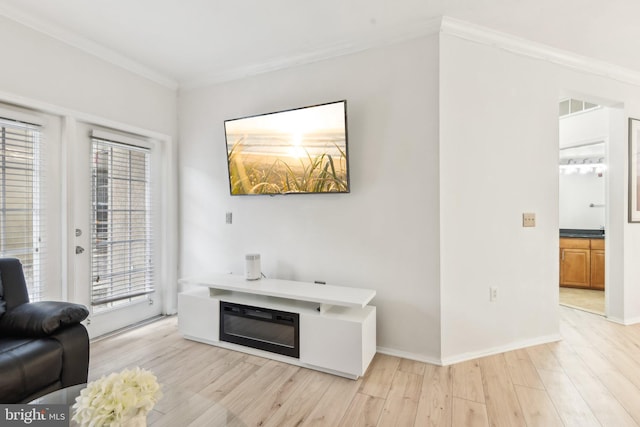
{"x":303,"y":150}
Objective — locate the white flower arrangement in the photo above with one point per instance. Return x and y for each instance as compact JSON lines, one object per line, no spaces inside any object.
{"x":117,"y":399}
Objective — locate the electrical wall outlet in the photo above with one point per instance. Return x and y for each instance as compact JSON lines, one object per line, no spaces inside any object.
{"x":528,"y":219}
{"x":229,"y":218}
{"x":493,"y":293}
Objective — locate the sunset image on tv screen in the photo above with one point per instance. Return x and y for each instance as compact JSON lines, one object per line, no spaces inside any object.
{"x":295,"y":151}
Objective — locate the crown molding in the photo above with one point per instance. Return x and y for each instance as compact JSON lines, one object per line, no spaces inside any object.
{"x":483,"y":35}
{"x":88,"y":46}
{"x":384,"y":38}
{"x":444,"y":25}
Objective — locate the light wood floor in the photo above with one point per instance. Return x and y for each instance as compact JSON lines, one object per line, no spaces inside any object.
{"x":583,"y":299}
{"x":590,"y":378}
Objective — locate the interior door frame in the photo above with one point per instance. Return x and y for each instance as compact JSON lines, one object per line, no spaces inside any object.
{"x":606,"y":140}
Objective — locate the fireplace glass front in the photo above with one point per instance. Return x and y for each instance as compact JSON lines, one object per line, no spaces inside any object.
{"x":262,"y":328}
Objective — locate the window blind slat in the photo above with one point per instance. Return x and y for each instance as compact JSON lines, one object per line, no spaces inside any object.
{"x":121,"y":253}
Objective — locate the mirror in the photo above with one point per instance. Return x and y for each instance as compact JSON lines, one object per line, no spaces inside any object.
{"x":582,"y":186}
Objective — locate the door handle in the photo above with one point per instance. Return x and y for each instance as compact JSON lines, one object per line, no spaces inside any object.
{"x":79,"y":250}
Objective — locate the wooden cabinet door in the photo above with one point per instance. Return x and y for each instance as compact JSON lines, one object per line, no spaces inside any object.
{"x":575,"y":267}
{"x":597,"y":269}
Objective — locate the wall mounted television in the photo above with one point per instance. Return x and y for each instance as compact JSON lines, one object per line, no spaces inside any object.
{"x":298,"y":151}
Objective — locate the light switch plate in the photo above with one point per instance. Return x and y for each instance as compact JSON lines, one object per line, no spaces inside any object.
{"x":528,"y":219}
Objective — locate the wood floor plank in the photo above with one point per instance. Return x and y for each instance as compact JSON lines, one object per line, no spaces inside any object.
{"x":267,"y":380}
{"x":625,"y":392}
{"x":218,"y":365}
{"x":615,"y":355}
{"x":135,"y":343}
{"x":377,"y":380}
{"x":537,"y":407}
{"x":631,"y":335}
{"x":469,"y":414}
{"x":412,"y":366}
{"x":617,"y":383}
{"x":401,"y":404}
{"x":134,"y":356}
{"x":196,"y":358}
{"x":332,"y":406}
{"x":190,"y":407}
{"x":364,"y":411}
{"x":607,"y":337}
{"x":572,"y":408}
{"x":543,"y":358}
{"x":295,"y":408}
{"x":435,"y":403}
{"x":261,"y":411}
{"x":602,"y":403}
{"x":228,"y":381}
{"x":467,"y":381}
{"x":522,"y":370}
{"x":503,"y":408}
{"x":570,"y":334}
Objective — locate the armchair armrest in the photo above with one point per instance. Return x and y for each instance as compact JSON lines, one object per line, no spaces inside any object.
{"x":40,"y":319}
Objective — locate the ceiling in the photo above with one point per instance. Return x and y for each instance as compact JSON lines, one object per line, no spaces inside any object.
{"x":190,"y":42}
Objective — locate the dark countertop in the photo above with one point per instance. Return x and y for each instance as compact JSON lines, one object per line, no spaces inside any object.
{"x":582,"y":234}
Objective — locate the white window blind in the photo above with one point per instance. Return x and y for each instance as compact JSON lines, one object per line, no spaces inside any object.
{"x":21,"y":205}
{"x":122,"y":245}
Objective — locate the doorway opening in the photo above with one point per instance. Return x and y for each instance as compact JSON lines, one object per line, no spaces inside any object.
{"x":583,"y":138}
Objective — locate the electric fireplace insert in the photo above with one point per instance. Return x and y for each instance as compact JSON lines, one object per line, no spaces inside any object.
{"x":262,"y":328}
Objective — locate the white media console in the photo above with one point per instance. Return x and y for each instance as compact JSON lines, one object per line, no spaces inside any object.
{"x":337,"y":329}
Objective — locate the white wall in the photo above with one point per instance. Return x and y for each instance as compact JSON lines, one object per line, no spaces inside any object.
{"x":383,"y":235}
{"x":499,"y":158}
{"x":37,"y":67}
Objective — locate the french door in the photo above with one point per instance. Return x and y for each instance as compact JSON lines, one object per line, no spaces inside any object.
{"x":114,"y":252}
{"x":30,"y":202}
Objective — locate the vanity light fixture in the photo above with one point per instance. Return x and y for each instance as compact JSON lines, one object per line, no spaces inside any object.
{"x":583,"y":166}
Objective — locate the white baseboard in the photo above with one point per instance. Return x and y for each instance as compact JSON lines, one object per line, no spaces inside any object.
{"x":408,"y":355}
{"x":625,"y":322}
{"x":500,"y":349}
{"x":463,"y":357}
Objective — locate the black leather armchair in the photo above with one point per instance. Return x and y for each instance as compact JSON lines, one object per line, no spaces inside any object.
{"x":43,"y":345}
